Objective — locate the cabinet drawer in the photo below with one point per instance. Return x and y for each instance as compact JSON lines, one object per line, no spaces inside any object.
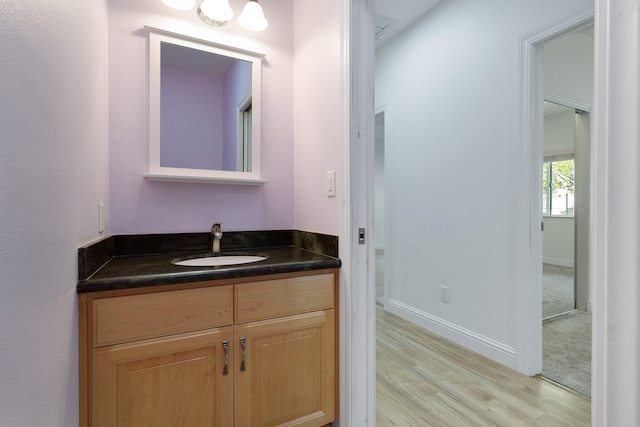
{"x":275,"y":298}
{"x":134,"y":317}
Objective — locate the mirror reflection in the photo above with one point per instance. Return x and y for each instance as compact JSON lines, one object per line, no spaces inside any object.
{"x":205,"y":110}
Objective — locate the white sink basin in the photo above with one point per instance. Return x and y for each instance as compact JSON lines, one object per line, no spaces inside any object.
{"x":212,"y":261}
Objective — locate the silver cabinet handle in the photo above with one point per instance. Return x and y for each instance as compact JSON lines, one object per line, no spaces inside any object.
{"x":243,"y":341}
{"x":225,"y":346}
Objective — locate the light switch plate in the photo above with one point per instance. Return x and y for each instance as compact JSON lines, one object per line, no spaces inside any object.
{"x":331,"y":183}
{"x":101,"y":217}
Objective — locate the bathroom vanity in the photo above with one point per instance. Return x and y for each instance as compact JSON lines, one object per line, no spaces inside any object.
{"x":246,"y":345}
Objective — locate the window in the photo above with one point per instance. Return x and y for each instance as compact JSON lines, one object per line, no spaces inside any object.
{"x":558,"y":187}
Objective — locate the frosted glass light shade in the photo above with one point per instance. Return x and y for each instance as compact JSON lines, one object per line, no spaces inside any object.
{"x":180,"y":4}
{"x":219,"y":11}
{"x":252,"y":17}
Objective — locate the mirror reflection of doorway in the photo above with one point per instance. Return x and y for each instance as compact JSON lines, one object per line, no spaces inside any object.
{"x":566,"y":330}
{"x":566,"y":176}
{"x":558,"y":209}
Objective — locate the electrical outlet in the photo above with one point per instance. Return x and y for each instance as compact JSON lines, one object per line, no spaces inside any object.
{"x":444,"y":293}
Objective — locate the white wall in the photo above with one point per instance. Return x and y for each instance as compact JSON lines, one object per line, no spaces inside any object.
{"x":453,"y":200}
{"x":142,"y":206}
{"x":559,"y":132}
{"x":317,"y":113}
{"x":568,"y":68}
{"x":53,"y":173}
{"x":558,"y":241}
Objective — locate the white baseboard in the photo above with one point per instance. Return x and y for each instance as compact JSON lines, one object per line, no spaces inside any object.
{"x":558,"y":261}
{"x":480,"y":344}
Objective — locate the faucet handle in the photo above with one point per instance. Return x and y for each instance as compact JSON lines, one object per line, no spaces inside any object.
{"x":216,"y":230}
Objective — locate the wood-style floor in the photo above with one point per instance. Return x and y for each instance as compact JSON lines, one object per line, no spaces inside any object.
{"x":426,"y":380}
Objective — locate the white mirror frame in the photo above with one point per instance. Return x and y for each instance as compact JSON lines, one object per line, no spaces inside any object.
{"x":162,"y":173}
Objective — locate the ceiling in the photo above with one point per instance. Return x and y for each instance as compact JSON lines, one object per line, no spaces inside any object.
{"x":393,"y":16}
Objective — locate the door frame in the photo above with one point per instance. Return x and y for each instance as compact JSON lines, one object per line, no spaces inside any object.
{"x":582,"y":212}
{"x":357,"y":275}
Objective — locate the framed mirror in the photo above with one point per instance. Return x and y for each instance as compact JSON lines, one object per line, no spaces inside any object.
{"x":204,"y":111}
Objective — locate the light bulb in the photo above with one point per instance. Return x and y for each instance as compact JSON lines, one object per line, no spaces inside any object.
{"x":252,"y":17}
{"x":215,"y":12}
{"x":180,"y":4}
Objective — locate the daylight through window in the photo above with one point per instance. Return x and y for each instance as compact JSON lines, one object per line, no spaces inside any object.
{"x":558,"y":187}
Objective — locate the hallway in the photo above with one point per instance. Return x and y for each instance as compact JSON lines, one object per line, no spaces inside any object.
{"x":425,"y":380}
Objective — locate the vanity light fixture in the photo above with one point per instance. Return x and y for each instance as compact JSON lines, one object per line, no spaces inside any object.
{"x":219,"y":12}
{"x":215,"y":12}
{"x":252,"y":17}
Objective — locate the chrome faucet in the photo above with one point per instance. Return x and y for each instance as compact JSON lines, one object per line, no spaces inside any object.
{"x":216,"y":236}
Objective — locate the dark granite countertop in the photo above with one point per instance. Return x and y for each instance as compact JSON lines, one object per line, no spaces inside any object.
{"x":111,"y":264}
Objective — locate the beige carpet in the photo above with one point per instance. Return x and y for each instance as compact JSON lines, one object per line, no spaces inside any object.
{"x":566,"y":340}
{"x":557,"y":290}
{"x":566,"y":351}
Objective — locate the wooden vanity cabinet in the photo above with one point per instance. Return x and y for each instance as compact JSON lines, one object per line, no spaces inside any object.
{"x":256,"y":353}
{"x":285,"y":352}
{"x":164,"y":382}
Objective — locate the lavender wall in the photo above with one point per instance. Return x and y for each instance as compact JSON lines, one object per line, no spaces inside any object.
{"x":141,"y":206}
{"x":318,"y":109}
{"x":191,"y":120}
{"x":53,"y":174}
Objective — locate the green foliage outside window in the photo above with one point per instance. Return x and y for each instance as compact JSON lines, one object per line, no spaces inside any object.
{"x":558,"y":180}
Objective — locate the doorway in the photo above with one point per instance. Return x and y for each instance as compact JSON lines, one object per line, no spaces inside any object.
{"x":566,"y":327}
{"x":615,"y":391}
{"x":566,"y":176}
{"x":558,"y":210}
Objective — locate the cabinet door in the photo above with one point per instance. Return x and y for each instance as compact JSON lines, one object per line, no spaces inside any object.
{"x":172,"y":381}
{"x":285,"y":371}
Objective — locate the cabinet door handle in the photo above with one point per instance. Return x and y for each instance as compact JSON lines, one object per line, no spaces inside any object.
{"x":225,"y":346}
{"x":243,"y":342}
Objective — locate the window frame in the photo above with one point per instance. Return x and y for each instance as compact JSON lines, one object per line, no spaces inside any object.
{"x":547,"y":205}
